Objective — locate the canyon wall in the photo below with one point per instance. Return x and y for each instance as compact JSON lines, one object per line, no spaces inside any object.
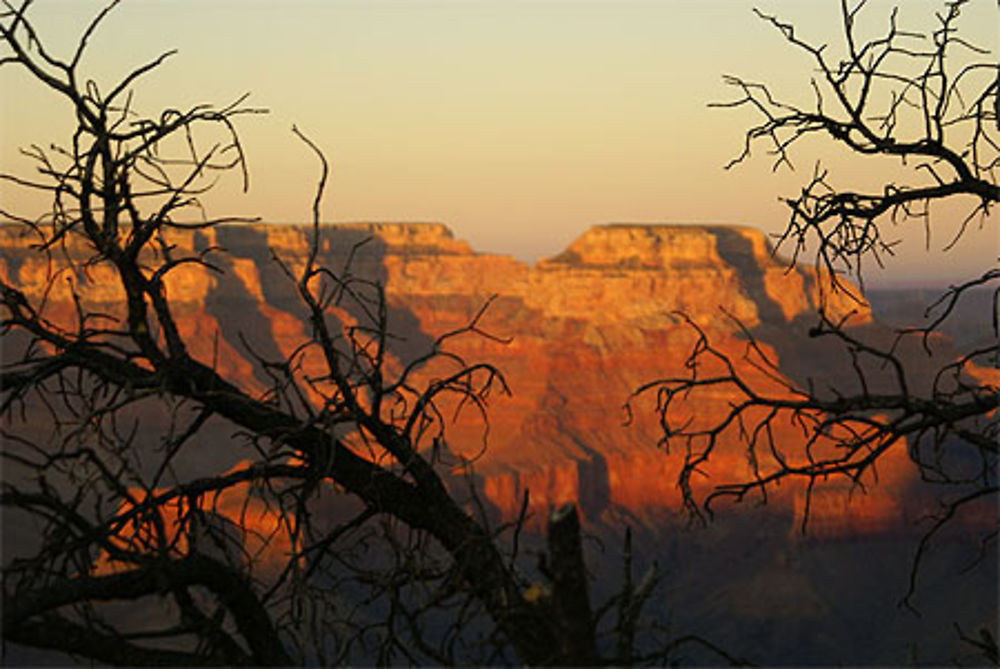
{"x":575,"y":335}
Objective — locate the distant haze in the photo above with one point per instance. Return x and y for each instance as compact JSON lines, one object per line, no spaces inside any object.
{"x":517,"y":124}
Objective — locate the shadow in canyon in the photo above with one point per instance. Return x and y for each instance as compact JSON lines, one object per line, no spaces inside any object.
{"x":958,"y":579}
{"x":345,"y":251}
{"x":745,"y":582}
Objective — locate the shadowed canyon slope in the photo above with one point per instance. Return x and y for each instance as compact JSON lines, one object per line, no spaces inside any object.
{"x":584,"y":329}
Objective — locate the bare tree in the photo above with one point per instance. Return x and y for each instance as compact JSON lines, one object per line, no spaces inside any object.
{"x":932,"y":101}
{"x":344,"y":463}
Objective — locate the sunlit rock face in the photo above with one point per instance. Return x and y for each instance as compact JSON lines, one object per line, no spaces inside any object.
{"x":581,"y":331}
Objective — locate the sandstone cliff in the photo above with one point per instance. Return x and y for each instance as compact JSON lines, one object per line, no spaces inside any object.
{"x":586,"y":327}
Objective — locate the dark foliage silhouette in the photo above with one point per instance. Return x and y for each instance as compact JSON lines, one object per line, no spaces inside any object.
{"x":930,"y":100}
{"x":343,"y":534}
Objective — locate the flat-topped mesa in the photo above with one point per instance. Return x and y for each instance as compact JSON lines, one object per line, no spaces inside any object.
{"x":250,"y":239}
{"x":693,"y":269}
{"x":652,"y":246}
{"x":294,"y":239}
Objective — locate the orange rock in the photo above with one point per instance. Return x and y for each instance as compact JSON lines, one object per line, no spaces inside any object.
{"x":587,"y":327}
{"x":244,"y":528}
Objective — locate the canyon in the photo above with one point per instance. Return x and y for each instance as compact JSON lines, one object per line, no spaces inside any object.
{"x":574,"y":336}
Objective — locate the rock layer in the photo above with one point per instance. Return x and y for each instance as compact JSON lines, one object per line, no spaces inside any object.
{"x":585,"y":329}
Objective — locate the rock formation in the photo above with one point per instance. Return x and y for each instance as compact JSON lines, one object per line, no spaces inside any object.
{"x":586,"y":328}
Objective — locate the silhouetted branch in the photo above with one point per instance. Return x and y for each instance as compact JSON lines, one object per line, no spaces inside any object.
{"x":901,"y":94}
{"x":103,"y":484}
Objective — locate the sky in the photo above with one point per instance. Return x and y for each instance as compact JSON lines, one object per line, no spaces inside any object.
{"x":519,"y":123}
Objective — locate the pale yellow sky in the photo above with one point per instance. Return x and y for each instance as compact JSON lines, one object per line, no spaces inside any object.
{"x":519,"y":124}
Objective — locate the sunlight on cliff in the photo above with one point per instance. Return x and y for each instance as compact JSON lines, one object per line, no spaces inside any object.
{"x":234,"y":525}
